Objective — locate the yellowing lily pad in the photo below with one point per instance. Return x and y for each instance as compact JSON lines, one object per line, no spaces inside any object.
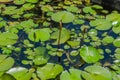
{"x":101,"y":24}
{"x":63,"y":16}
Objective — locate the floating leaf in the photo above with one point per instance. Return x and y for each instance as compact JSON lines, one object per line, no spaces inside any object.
{"x":65,"y":35}
{"x":18,"y":2}
{"x":32,"y":1}
{"x":5,"y":63}
{"x":7,"y":77}
{"x":74,"y":44}
{"x":89,"y":54}
{"x":89,"y":10}
{"x":116,"y":42}
{"x":116,"y":28}
{"x":108,"y":39}
{"x":46,"y":8}
{"x":7,"y":38}
{"x":72,"y":9}
{"x":99,"y":73}
{"x":63,"y":16}
{"x":39,"y":35}
{"x":20,"y":73}
{"x":49,"y":71}
{"x":73,"y":74}
{"x":6,"y":0}
{"x":101,"y":24}
{"x":97,"y":7}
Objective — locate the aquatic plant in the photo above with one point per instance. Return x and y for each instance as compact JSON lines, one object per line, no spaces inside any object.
{"x":58,"y":40}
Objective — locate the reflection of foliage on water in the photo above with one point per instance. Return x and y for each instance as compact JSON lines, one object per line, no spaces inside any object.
{"x":60,"y":40}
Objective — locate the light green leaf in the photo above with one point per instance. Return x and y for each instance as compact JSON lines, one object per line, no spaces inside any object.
{"x":18,"y":2}
{"x":89,"y":10}
{"x":49,"y":71}
{"x":65,"y":35}
{"x":20,"y":73}
{"x":74,"y":44}
{"x":116,"y":42}
{"x":101,"y":24}
{"x":7,"y":77}
{"x":89,"y":54}
{"x":64,"y":16}
{"x":73,"y":74}
{"x":5,"y":63}
{"x":32,"y":1}
{"x":99,"y":73}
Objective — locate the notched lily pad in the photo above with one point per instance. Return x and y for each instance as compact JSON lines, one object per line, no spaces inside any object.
{"x":98,"y":73}
{"x":73,"y":74}
{"x":63,"y":16}
{"x":65,"y":35}
{"x":89,"y":54}
{"x":49,"y":71}
{"x":101,"y":24}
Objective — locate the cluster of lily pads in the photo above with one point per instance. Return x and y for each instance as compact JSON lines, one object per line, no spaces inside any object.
{"x":58,"y":40}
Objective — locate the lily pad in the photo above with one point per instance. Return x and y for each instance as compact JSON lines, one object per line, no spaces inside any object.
{"x":32,"y":1}
{"x":5,"y":63}
{"x":99,"y":73}
{"x":116,"y":28}
{"x":108,"y":39}
{"x":18,"y":2}
{"x":74,"y":44}
{"x":7,"y":38}
{"x":20,"y":73}
{"x":63,"y":16}
{"x":6,"y":0}
{"x":113,"y":17}
{"x":39,"y":35}
{"x":65,"y":35}
{"x":7,"y":77}
{"x":116,"y":42}
{"x":89,"y":10}
{"x":73,"y":74}
{"x":46,"y":8}
{"x":49,"y":71}
{"x":89,"y":54}
{"x":101,"y":24}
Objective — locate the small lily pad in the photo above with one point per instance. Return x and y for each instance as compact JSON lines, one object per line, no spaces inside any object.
{"x":116,"y":42}
{"x":49,"y":71}
{"x":89,"y":54}
{"x":101,"y":24}
{"x":74,"y":44}
{"x":89,"y":10}
{"x":32,"y":1}
{"x":73,"y":74}
{"x":63,"y":16}
{"x":108,"y":39}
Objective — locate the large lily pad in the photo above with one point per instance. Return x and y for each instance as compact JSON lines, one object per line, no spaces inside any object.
{"x":65,"y":35}
{"x":73,"y":74}
{"x":39,"y":35}
{"x":7,"y":38}
{"x":63,"y":16}
{"x":101,"y":24}
{"x":98,"y":73}
{"x":49,"y":71}
{"x":7,"y":77}
{"x":5,"y":63}
{"x":89,"y":54}
{"x":20,"y":73}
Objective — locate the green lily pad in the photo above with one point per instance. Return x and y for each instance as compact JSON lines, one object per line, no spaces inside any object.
{"x":6,"y":1}
{"x":46,"y":8}
{"x":101,"y":24}
{"x":99,"y":73}
{"x":116,"y":42}
{"x":116,"y":28}
{"x":74,"y":44}
{"x":18,"y":2}
{"x":49,"y":71}
{"x":108,"y":39}
{"x":32,"y":1}
{"x":7,"y":38}
{"x":89,"y":54}
{"x":39,"y":35}
{"x":7,"y":77}
{"x":5,"y":63}
{"x":89,"y":10}
{"x":72,"y":9}
{"x":73,"y":74}
{"x":20,"y":73}
{"x":65,"y":35}
{"x":63,"y":16}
